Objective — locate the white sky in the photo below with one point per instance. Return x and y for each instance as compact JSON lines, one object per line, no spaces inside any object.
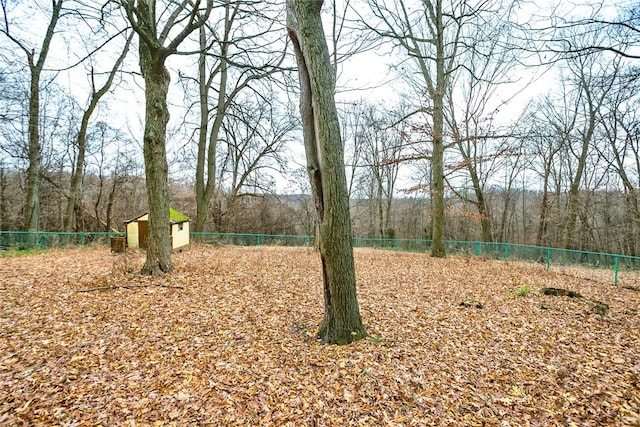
{"x":366,"y":75}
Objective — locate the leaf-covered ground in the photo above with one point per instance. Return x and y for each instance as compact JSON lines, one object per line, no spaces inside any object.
{"x":229,"y":340}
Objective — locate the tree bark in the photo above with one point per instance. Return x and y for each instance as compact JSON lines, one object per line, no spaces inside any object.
{"x":342,"y":323}
{"x":153,"y":55}
{"x":437,"y":160}
{"x":32,"y":208}
{"x":156,"y":78}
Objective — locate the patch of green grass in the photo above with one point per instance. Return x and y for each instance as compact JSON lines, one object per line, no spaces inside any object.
{"x":374,"y":340}
{"x":20,"y":252}
{"x":523,"y":291}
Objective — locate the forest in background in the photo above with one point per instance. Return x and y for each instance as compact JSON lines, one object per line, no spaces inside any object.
{"x":539,"y":136}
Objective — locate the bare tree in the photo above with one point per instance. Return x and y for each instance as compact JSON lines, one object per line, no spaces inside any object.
{"x":3,"y":198}
{"x":621,"y":34}
{"x":255,"y":132}
{"x":160,"y":35}
{"x":435,"y":35}
{"x":342,"y":323}
{"x":35,"y":62}
{"x":430,"y":36}
{"x":473,"y":104}
{"x":621,"y":125}
{"x":381,"y":152}
{"x":544,"y":139}
{"x":234,"y":54}
{"x":111,"y":164}
{"x":592,"y":87}
{"x":94,"y":98}
{"x":352,"y":122}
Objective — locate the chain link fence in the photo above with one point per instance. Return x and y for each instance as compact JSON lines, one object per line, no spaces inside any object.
{"x":22,"y":240}
{"x":619,"y":269}
{"x":607,"y":268}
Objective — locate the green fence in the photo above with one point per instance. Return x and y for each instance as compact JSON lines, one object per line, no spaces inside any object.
{"x":28,"y":240}
{"x":240,"y":239}
{"x":591,"y":265}
{"x":595,"y":265}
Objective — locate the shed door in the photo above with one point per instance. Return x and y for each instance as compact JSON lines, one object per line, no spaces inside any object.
{"x":143,"y":231}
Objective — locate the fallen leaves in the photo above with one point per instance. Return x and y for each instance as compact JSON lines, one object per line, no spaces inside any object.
{"x":229,"y":339}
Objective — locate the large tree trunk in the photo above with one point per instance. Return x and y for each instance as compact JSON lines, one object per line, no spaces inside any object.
{"x":156,"y":78}
{"x":153,"y":54}
{"x":342,"y":323}
{"x":32,"y":209}
{"x":437,"y":158}
{"x":437,"y":195}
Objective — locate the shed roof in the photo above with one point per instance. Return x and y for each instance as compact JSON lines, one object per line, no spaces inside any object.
{"x":175,"y":217}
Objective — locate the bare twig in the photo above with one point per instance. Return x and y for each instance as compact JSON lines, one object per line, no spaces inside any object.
{"x":108,"y":288}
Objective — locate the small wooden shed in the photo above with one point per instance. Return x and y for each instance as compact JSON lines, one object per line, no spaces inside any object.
{"x":137,"y":230}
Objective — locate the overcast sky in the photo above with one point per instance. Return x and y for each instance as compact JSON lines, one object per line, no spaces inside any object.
{"x":366,"y":75}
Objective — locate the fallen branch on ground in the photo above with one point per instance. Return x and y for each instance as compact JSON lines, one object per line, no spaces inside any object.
{"x":108,"y":288}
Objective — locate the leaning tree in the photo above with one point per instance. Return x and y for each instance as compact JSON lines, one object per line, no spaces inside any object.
{"x":342,"y":323}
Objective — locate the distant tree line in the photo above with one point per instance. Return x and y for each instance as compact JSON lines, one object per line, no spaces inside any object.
{"x":454,"y":156}
{"x":605,"y":219}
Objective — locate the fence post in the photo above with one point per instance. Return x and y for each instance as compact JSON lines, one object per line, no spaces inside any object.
{"x":259,"y":235}
{"x":506,"y":252}
{"x":82,"y":239}
{"x":476,"y":248}
{"x":615,"y":271}
{"x":548,"y":258}
{"x":396,"y":245}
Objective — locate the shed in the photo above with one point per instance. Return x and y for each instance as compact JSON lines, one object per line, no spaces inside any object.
{"x":137,"y":230}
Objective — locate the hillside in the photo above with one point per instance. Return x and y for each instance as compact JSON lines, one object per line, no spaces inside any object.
{"x":228,"y":339}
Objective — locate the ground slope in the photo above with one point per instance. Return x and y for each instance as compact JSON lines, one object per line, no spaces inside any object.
{"x":229,"y":339}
